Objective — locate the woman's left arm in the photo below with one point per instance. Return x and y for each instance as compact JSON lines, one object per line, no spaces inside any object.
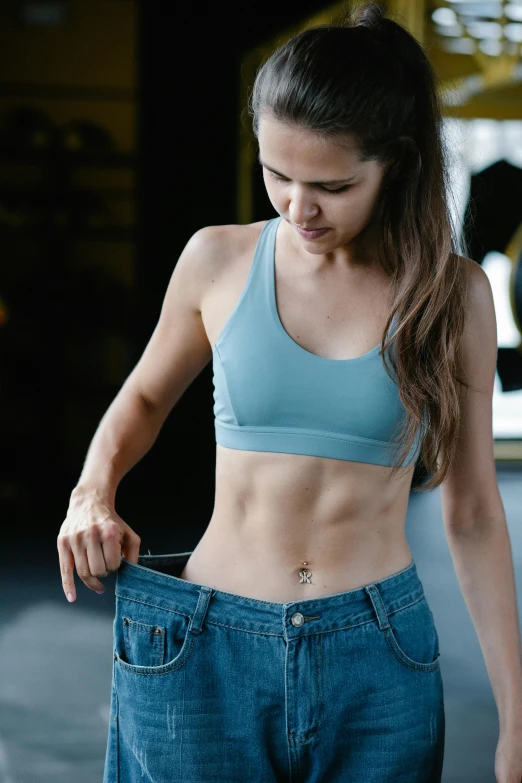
{"x":476,"y":528}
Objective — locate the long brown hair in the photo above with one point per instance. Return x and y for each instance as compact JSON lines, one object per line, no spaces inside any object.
{"x":370,"y":78}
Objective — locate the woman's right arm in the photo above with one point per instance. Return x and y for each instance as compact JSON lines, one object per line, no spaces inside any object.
{"x":93,"y":536}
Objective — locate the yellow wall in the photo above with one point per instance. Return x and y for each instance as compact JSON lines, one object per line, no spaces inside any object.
{"x":95,"y":48}
{"x":83,"y":70}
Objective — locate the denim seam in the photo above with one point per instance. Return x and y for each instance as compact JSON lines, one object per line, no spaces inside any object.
{"x":400,"y":608}
{"x":267,"y":633}
{"x":148,"y":603}
{"x":166,"y":667}
{"x":139,"y":627}
{"x":280,"y":635}
{"x":405,"y":660}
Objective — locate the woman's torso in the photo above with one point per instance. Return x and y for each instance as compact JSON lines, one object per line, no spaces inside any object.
{"x":274,"y":511}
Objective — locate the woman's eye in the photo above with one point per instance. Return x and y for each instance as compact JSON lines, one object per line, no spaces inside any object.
{"x":338,"y":190}
{"x":328,"y":190}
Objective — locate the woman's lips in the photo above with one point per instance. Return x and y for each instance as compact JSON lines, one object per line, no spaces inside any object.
{"x":312,"y":234}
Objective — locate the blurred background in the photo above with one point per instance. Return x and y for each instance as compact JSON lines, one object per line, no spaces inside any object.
{"x":121,"y":134}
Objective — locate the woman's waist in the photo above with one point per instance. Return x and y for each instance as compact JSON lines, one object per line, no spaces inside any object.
{"x":289,"y":564}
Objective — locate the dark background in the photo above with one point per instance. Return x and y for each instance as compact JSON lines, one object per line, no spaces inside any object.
{"x":54,"y":389}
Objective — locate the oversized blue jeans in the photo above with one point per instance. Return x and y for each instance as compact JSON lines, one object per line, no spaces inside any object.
{"x":214,"y":687}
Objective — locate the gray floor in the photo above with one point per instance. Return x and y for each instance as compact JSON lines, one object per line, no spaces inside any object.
{"x":57,"y":661}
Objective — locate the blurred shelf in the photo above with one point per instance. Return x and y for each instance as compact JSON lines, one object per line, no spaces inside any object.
{"x":74,"y":92}
{"x":508,"y":449}
{"x":64,"y":157}
{"x":108,"y":234}
{"x":40,"y":191}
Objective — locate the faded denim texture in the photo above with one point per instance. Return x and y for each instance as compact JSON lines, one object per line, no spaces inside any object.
{"x":214,"y":687}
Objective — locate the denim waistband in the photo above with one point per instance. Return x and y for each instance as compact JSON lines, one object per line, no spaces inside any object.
{"x":139,"y":582}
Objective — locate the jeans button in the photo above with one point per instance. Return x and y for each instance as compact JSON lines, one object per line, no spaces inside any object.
{"x":297,"y":619}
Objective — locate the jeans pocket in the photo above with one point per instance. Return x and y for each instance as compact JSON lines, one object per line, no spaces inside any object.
{"x":413,"y":638}
{"x":150,"y":639}
{"x":144,"y":642}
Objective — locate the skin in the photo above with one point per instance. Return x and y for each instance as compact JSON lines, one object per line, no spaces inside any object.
{"x":273,"y":511}
{"x":304,"y":158}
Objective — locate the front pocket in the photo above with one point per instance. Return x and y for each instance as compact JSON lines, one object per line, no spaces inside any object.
{"x":150,"y":639}
{"x":412,"y":636}
{"x":144,"y":642}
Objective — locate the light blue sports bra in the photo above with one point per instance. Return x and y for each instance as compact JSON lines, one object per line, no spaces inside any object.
{"x":271,"y":394}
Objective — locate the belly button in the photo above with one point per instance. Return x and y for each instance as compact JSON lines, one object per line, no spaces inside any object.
{"x":305,"y":574}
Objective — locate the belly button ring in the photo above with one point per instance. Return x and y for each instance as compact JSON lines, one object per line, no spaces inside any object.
{"x":305,"y":575}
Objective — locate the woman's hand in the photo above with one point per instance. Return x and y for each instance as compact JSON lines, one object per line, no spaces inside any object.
{"x":94,"y":537}
{"x":508,"y":757}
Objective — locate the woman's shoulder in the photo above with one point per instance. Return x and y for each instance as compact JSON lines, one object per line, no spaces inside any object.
{"x":222,"y":245}
{"x":231,"y":233}
{"x":474,"y":267}
{"x":223,"y":251}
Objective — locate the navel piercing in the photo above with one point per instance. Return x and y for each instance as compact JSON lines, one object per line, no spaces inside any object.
{"x":304,"y":574}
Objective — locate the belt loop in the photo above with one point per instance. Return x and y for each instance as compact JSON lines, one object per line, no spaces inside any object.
{"x":205,"y":594}
{"x":378,"y":605}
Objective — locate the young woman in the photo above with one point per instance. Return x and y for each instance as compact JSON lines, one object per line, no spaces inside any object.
{"x":349,"y":340}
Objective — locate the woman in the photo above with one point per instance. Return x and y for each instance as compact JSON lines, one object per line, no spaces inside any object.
{"x":295,"y":642}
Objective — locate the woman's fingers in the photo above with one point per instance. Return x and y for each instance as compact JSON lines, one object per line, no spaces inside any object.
{"x":79,"y":548}
{"x":66,"y":558}
{"x":92,"y":538}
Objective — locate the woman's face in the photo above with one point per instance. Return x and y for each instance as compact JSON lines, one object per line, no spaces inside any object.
{"x":319,"y":184}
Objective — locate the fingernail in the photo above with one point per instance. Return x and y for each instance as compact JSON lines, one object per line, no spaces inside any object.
{"x":70,"y":597}
{"x":100,"y":592}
